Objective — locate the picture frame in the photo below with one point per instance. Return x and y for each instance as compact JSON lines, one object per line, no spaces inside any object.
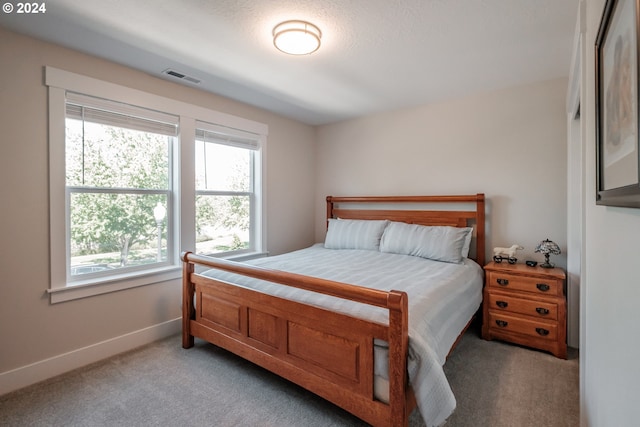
{"x":616,"y":61}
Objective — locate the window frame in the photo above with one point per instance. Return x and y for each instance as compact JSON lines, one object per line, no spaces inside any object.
{"x":181,"y":202}
{"x":168,"y":127}
{"x":243,"y":140}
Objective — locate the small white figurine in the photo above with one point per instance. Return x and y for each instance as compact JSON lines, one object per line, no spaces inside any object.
{"x":509,"y":253}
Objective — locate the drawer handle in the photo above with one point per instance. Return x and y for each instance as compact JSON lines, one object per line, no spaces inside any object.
{"x":543,"y":287}
{"x":502,"y":323}
{"x":542,"y":311}
{"x":503,"y":282}
{"x":542,"y":331}
{"x":502,"y":304}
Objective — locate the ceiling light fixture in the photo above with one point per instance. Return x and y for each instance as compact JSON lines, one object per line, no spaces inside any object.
{"x":296,"y":37}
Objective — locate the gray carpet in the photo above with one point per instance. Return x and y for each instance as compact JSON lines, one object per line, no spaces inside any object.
{"x":496,"y":384}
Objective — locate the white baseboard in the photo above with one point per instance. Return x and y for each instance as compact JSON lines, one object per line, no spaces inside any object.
{"x":49,"y":368}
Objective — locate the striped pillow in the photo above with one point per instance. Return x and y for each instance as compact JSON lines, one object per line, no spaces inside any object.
{"x":440,"y":243}
{"x":354,"y":234}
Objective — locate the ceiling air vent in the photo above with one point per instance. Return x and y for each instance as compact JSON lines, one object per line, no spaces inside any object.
{"x":180,"y":76}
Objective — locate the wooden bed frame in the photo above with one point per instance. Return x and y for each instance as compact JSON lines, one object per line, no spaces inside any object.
{"x":328,"y":353}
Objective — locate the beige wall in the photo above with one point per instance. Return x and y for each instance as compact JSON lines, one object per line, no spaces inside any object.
{"x":611,"y":285}
{"x":509,"y":144}
{"x":31,"y":329}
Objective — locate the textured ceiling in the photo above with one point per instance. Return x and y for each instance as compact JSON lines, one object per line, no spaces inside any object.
{"x":376,"y":55}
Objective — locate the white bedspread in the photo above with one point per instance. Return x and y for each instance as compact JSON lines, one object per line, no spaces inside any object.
{"x":442,"y":299}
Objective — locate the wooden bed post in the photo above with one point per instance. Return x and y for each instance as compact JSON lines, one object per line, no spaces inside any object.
{"x":480,"y":234}
{"x":329,"y":209}
{"x":398,"y":349}
{"x":187,"y":301}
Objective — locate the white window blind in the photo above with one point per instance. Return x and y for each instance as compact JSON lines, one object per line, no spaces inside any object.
{"x":102,"y":111}
{"x":227,"y":136}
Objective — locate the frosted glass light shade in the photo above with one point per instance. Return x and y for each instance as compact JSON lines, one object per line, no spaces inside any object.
{"x":296,"y":37}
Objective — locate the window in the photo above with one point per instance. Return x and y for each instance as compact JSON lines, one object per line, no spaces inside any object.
{"x":137,"y":178}
{"x":225,"y":190}
{"x":118,"y":162}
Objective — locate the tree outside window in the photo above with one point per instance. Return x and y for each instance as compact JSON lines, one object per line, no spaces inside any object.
{"x":115,"y":178}
{"x":224,"y":193}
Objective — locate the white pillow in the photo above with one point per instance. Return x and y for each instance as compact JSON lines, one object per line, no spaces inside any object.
{"x":440,"y":243}
{"x":467,"y":242}
{"x":354,"y":234}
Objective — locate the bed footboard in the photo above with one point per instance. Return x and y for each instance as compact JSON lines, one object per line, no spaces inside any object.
{"x":328,"y":353}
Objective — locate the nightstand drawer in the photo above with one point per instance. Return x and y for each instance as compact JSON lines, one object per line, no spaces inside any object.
{"x":540,"y":286}
{"x":535,"y":308}
{"x":547,"y":331}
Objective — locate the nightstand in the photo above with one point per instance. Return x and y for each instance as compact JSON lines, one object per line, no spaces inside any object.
{"x":526,"y":305}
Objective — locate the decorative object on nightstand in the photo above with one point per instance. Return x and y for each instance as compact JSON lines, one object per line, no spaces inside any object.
{"x":547,"y":247}
{"x":506,"y":253}
{"x":526,"y":305}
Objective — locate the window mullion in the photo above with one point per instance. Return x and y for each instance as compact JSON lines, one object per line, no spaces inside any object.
{"x":222,"y":193}
{"x":103,"y":190}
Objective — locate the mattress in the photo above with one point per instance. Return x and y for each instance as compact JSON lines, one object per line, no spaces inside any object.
{"x":442,"y":296}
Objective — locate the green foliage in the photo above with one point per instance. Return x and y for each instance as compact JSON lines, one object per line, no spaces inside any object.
{"x":220,"y":218}
{"x":237,"y":243}
{"x":110,"y":158}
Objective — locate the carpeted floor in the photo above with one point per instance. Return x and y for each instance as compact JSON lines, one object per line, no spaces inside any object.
{"x":503,"y":385}
{"x":495,"y":384}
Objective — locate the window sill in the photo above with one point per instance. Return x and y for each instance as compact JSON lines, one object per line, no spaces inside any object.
{"x":86,"y":289}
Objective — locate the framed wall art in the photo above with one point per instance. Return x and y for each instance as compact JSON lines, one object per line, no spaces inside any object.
{"x":616,"y":58}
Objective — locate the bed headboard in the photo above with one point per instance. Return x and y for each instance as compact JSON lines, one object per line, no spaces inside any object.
{"x":423,"y":210}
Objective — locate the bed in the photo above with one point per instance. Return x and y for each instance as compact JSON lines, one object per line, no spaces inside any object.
{"x":360,"y":325}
